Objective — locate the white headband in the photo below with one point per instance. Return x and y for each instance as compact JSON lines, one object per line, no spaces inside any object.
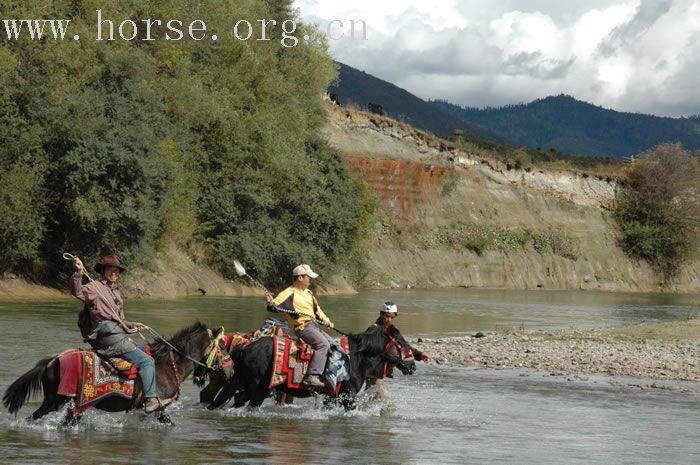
{"x":390,"y":308}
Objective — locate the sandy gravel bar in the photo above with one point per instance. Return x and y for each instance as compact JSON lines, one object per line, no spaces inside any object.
{"x":664,"y":351}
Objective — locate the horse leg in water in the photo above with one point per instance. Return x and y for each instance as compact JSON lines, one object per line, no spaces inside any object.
{"x":71,"y":419}
{"x":52,"y":401}
{"x":165,"y":419}
{"x":283,"y":398}
{"x":208,"y":394}
{"x":229,"y":390}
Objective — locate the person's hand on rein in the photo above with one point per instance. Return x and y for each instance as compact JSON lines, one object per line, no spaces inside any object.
{"x":140,"y":327}
{"x":330,"y":324}
{"x":269,"y":298}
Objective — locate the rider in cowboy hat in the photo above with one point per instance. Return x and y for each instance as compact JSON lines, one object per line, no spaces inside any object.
{"x":387,"y":315}
{"x":108,"y":329}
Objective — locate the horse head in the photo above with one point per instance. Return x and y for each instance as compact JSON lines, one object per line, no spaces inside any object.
{"x":398,"y":351}
{"x":388,"y":347}
{"x":202,"y":346}
{"x":216,"y":356}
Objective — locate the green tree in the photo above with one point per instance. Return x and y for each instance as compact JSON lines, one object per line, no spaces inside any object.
{"x":213,"y":145}
{"x":659,"y":210}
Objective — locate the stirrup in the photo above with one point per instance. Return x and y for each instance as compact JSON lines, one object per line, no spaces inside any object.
{"x":162,"y":404}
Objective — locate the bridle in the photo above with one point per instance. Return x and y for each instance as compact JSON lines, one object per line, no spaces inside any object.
{"x":217,"y":357}
{"x":405,"y":352}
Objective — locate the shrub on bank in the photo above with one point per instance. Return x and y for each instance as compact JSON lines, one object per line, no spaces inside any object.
{"x":659,"y":211}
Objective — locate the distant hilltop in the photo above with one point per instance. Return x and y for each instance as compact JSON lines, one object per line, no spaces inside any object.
{"x":559,"y":122}
{"x":580,"y":128}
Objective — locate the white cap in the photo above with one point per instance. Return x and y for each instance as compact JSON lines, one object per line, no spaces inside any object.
{"x":302,"y":270}
{"x":390,"y":307}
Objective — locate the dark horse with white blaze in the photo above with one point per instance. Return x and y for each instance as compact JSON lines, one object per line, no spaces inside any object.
{"x":371,"y":353}
{"x":173,"y":366}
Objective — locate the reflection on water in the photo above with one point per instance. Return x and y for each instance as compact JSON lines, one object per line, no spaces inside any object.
{"x":439,"y":415}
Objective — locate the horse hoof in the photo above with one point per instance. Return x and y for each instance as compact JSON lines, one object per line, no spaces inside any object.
{"x":165,"y":419}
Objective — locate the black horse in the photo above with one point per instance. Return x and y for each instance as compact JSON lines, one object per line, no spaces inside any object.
{"x":371,"y":353}
{"x":173,"y":366}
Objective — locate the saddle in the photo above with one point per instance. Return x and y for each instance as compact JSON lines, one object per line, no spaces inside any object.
{"x":291,"y":360}
{"x":272,"y":327}
{"x":90,"y":378}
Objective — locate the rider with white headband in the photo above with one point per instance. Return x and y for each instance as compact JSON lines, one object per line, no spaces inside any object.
{"x":387,"y":315}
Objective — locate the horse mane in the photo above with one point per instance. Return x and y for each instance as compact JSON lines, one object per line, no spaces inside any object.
{"x":374,"y":341}
{"x":183,"y":340}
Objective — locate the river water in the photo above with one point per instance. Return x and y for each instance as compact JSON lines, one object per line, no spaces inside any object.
{"x":439,"y":415}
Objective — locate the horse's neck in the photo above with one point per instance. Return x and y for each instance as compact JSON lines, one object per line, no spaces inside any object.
{"x":364,"y":366}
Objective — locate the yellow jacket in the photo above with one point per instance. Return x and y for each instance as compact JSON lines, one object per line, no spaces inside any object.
{"x":302,"y":302}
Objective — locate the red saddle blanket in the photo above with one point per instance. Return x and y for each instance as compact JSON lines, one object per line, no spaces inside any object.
{"x":90,"y":379}
{"x":234,"y":340}
{"x":291,"y":363}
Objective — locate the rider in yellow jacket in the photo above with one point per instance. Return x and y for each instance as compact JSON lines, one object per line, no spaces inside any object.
{"x":303,"y":312}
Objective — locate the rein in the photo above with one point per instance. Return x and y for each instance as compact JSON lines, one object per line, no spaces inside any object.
{"x":210,"y":358}
{"x":316,"y":320}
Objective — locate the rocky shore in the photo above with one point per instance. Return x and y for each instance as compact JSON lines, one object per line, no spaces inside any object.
{"x":663,"y":351}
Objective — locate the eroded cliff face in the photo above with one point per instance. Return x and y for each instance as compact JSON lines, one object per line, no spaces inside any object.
{"x":429,"y":186}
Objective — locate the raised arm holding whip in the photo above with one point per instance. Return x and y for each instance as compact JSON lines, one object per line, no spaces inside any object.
{"x":107,"y":330}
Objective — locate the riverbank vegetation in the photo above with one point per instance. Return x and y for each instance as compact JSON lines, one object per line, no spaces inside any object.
{"x":480,"y":238}
{"x":659,"y":211}
{"x":128,"y":146}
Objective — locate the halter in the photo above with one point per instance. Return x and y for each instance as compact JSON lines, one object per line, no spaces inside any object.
{"x":393,"y":342}
{"x":221,"y":355}
{"x":216,"y":353}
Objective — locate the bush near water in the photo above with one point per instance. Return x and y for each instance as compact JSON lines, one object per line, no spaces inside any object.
{"x":124,"y":147}
{"x":659,"y":211}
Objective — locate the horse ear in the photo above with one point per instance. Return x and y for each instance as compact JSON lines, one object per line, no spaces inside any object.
{"x":219,"y":331}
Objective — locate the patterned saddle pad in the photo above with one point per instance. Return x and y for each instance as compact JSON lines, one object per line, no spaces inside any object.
{"x":291,"y":363}
{"x":90,"y":379}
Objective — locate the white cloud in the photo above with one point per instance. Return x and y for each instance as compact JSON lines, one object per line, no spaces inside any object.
{"x":632,"y":55}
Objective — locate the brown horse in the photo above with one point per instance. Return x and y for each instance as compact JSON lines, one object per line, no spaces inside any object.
{"x":175,"y":361}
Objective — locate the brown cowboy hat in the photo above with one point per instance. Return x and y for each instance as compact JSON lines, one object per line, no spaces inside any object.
{"x":109,"y":260}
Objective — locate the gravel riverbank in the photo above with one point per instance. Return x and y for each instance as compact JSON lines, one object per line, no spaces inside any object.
{"x":664,"y":351}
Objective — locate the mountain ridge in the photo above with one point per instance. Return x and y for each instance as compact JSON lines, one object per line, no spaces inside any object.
{"x":360,"y":88}
{"x":565,"y":123}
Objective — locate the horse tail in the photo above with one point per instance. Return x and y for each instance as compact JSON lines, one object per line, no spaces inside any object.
{"x":22,"y":389}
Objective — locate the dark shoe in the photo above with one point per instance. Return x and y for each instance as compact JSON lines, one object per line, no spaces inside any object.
{"x":313,"y":382}
{"x":153,"y":404}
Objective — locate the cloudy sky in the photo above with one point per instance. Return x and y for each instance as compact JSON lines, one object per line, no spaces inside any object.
{"x":634,"y":55}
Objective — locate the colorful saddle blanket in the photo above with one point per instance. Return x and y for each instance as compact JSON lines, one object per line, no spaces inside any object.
{"x":271,"y":327}
{"x":233,"y":341}
{"x":291,"y":363}
{"x":90,"y":378}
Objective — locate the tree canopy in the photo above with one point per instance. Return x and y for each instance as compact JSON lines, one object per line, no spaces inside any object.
{"x":119,"y":146}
